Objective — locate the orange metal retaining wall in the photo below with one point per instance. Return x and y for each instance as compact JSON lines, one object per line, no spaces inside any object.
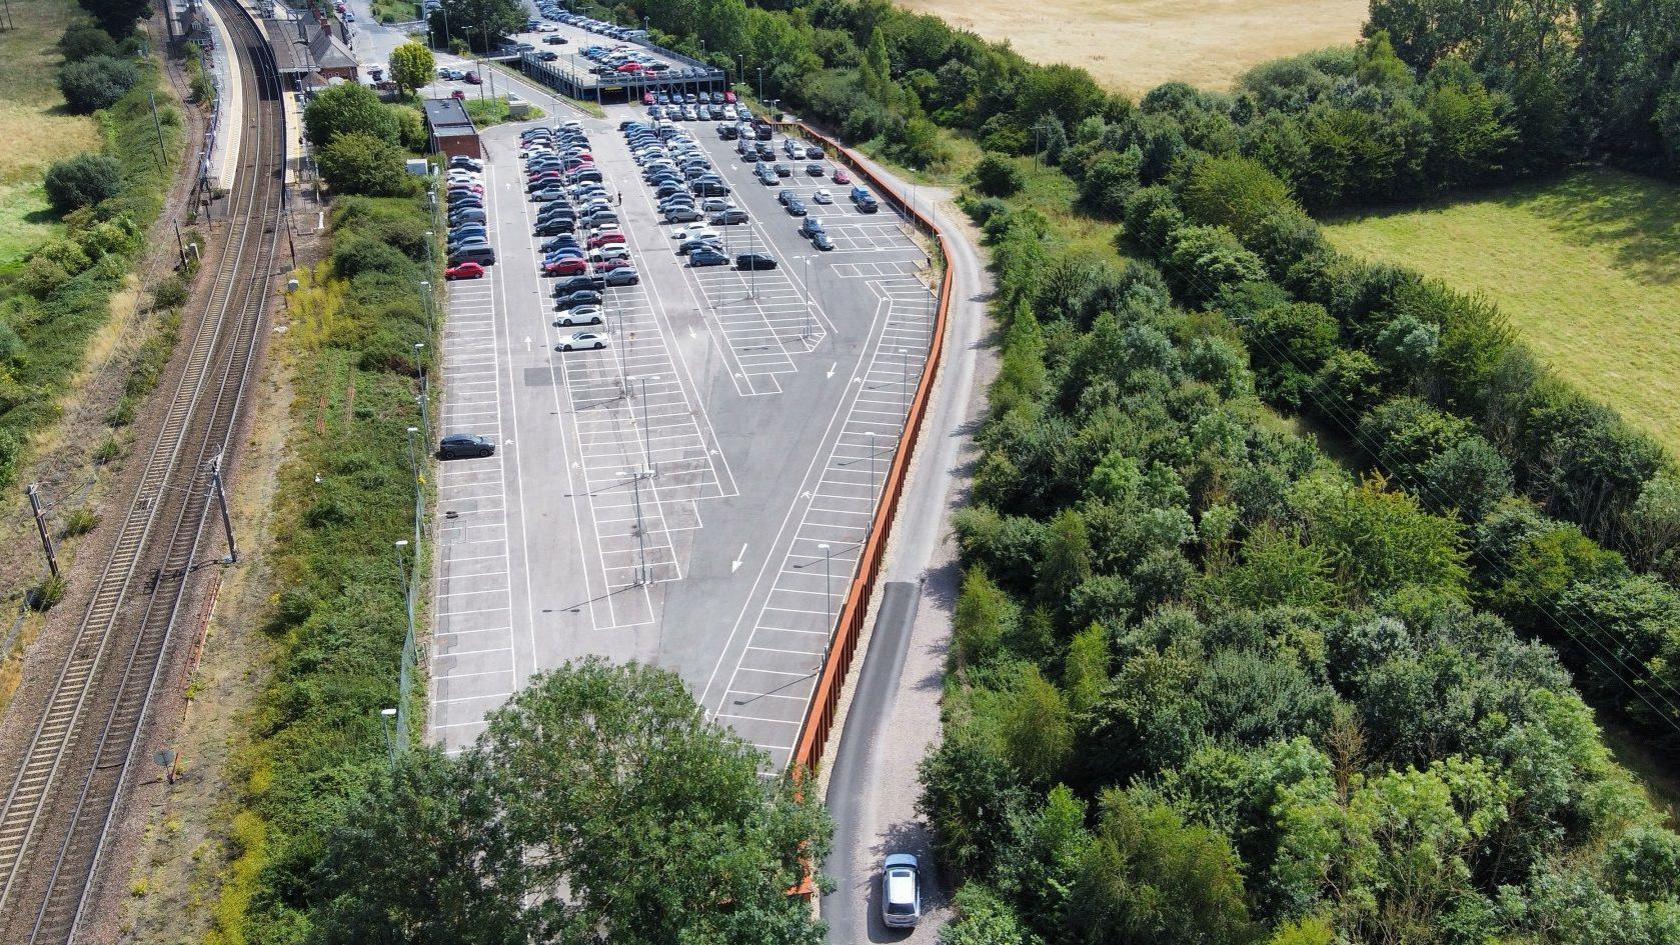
{"x":819,"y":716}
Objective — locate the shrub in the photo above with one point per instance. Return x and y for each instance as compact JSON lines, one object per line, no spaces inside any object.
{"x":80,"y":522}
{"x":997,"y":176}
{"x":84,"y":41}
{"x":47,"y":594}
{"x":96,"y":82}
{"x":170,"y":293}
{"x":82,"y":181}
{"x":349,"y":109}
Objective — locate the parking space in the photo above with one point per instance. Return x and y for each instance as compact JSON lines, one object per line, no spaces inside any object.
{"x":692,"y":494}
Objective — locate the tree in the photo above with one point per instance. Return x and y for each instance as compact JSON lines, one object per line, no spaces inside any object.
{"x":363,"y":164}
{"x":96,"y":82}
{"x":412,"y":65}
{"x":82,"y":181}
{"x":483,"y":23}
{"x":997,"y":176}
{"x":116,"y":16}
{"x":599,"y":806}
{"x":349,"y":108}
{"x":984,"y":919}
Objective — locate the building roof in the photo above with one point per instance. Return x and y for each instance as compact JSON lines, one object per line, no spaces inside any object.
{"x":319,"y":48}
{"x":447,"y":115}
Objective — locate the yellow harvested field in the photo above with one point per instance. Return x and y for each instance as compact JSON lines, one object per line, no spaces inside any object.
{"x":1135,"y":45}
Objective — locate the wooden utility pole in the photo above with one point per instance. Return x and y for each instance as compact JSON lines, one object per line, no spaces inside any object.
{"x":41,"y":526}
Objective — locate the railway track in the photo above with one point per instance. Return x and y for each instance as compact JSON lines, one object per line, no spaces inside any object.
{"x":62,"y":794}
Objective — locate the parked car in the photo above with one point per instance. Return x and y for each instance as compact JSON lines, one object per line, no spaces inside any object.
{"x":626,"y":275}
{"x":840,"y":176}
{"x":584,"y":283}
{"x":575,"y":299}
{"x":582,"y":315}
{"x":811,"y":227}
{"x":754,"y":261}
{"x":466,"y":270}
{"x":707,"y":257}
{"x":821,"y":195}
{"x":822,"y":242}
{"x":796,"y":207}
{"x":583,"y":339}
{"x":728,"y":218}
{"x":465,"y":446}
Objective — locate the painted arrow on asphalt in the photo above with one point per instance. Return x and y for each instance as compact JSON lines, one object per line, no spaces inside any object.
{"x":739,"y":559}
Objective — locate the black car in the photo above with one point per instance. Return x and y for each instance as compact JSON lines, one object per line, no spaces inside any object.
{"x":815,"y":169}
{"x":754,"y":261}
{"x":590,"y":283}
{"x":822,"y":242}
{"x":707,"y":257}
{"x":796,"y":207}
{"x":465,"y":446}
{"x":574,"y":299}
{"x":548,"y":55}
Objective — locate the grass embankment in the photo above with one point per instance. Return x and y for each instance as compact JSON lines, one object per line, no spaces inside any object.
{"x":1587,"y":267}
{"x":1135,"y":45}
{"x":494,"y":111}
{"x":346,"y":494}
{"x":53,"y":302}
{"x":36,"y":128}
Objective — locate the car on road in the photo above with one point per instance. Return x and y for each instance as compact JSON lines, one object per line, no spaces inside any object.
{"x":465,"y":446}
{"x":709,"y":256}
{"x":901,"y":891}
{"x":582,"y":315}
{"x":583,"y":340}
{"x":466,"y":270}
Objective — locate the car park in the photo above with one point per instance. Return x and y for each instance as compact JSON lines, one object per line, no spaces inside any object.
{"x":466,"y":270}
{"x":465,"y":446}
{"x":583,"y":340}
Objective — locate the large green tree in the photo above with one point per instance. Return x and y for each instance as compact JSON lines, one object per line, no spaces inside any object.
{"x":349,"y":109}
{"x":411,"y":66}
{"x":600,"y":806}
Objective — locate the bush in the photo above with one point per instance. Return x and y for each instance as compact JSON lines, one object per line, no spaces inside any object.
{"x":80,"y":522}
{"x":82,"y":181}
{"x":364,"y":164}
{"x":96,"y":82}
{"x":997,"y":176}
{"x":170,"y":293}
{"x":84,"y":41}
{"x":47,"y":594}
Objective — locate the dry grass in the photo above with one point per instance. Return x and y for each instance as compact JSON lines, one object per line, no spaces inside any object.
{"x":1135,"y":45}
{"x":35,"y":128}
{"x":1587,"y":267}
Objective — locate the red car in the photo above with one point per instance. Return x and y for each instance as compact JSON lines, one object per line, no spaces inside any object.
{"x":566,"y":267}
{"x":458,"y":95}
{"x":608,"y":265}
{"x":729,"y":97}
{"x":647,"y":98}
{"x":841,"y":177}
{"x":466,"y":270}
{"x":473,"y":79}
{"x":631,"y":67}
{"x":601,"y":239}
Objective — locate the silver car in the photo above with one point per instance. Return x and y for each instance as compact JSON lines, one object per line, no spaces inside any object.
{"x":901,"y":891}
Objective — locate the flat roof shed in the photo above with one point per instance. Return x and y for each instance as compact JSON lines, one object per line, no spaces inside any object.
{"x":450,"y":128}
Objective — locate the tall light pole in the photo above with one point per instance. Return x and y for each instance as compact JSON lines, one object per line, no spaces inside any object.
{"x":828,"y":600}
{"x":904,"y":386}
{"x":386,"y":718}
{"x":761,"y":84}
{"x":806,"y":261}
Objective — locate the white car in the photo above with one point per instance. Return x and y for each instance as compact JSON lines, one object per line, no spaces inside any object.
{"x":582,"y":340}
{"x":901,"y":891}
{"x":695,"y":233}
{"x":548,"y":28}
{"x":582,"y":315}
{"x":821,"y":195}
{"x":609,"y":251}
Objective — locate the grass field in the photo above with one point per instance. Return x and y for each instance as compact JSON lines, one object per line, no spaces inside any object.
{"x":34,"y":127}
{"x":1134,"y":45}
{"x":1587,"y":267}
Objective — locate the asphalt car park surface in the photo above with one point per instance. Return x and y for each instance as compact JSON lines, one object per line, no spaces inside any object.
{"x":693,"y":495}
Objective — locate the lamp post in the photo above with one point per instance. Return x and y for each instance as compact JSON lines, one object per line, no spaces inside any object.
{"x":904,"y":385}
{"x":806,"y":264}
{"x":761,"y":83}
{"x":828,"y":600}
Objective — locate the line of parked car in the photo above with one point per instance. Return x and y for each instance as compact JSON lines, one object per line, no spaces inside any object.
{"x":577,"y":220}
{"x":468,"y":248}
{"x":689,"y":189}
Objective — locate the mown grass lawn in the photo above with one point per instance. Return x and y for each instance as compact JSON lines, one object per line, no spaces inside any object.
{"x":34,"y":127}
{"x":1587,"y":267}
